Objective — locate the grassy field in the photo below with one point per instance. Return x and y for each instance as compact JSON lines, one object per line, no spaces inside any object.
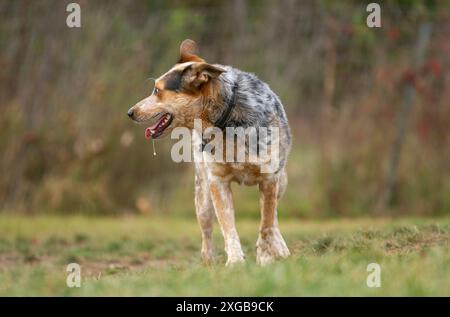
{"x":160,"y":256}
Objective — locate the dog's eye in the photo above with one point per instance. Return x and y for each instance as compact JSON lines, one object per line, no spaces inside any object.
{"x":155,"y":91}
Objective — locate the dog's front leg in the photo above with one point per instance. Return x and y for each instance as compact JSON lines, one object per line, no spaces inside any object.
{"x":223,"y":204}
{"x":205,"y":213}
{"x":270,"y":244}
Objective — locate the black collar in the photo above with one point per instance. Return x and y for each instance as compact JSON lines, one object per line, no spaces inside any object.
{"x":222,"y":121}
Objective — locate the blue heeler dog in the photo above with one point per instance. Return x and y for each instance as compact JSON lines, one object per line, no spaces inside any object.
{"x":222,"y":96}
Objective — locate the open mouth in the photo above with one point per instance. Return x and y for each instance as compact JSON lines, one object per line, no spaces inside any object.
{"x":162,"y":122}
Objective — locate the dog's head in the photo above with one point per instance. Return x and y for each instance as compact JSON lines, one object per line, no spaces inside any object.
{"x":176,"y":99}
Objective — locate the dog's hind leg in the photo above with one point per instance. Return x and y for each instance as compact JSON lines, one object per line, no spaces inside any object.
{"x":223,"y":204}
{"x":205,"y":215}
{"x":270,"y":245}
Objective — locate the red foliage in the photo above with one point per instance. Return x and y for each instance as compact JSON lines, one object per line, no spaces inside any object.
{"x":393,"y":33}
{"x":433,"y":66}
{"x":409,"y":77}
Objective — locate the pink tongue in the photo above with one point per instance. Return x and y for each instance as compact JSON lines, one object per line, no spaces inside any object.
{"x":148,"y":133}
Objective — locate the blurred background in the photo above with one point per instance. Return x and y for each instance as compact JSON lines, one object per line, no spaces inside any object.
{"x":369,"y":108}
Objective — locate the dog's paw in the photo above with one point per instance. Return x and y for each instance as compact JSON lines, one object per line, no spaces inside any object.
{"x":207,"y":257}
{"x":270,"y":247}
{"x":233,"y":261}
{"x":235,"y":255}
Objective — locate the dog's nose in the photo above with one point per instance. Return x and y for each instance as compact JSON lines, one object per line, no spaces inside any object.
{"x":130,"y":113}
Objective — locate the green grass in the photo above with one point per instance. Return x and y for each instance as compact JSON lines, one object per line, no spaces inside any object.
{"x":160,"y":256}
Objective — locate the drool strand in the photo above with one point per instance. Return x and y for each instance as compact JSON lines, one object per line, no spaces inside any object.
{"x":154,"y":151}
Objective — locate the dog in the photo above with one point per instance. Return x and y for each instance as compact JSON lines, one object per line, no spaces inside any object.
{"x":221,"y":97}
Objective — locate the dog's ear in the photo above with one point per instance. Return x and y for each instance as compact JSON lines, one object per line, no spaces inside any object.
{"x":189,"y":52}
{"x":198,"y":74}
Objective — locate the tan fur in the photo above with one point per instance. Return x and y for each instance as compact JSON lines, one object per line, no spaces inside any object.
{"x":189,"y":52}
